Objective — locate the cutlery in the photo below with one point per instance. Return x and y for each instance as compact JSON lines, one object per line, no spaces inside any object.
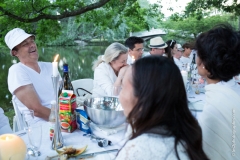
{"x":63,"y":156}
{"x":21,"y":134}
{"x":196,"y":101}
{"x":96,"y":153}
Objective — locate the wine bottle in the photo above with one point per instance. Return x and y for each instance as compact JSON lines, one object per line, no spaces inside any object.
{"x":192,"y":68}
{"x":52,"y":119}
{"x":67,"y":85}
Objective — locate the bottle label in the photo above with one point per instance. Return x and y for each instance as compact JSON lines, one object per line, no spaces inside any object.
{"x":51,"y":130}
{"x":65,"y":68}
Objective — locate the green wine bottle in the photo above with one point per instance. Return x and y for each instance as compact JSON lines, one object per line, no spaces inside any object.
{"x":67,"y":85}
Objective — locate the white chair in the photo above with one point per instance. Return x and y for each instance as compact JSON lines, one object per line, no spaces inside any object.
{"x":82,"y":86}
{"x":17,"y":120}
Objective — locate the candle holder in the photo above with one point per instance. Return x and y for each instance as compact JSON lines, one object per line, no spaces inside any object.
{"x":57,"y":141}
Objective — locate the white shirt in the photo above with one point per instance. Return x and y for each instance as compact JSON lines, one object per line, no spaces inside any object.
{"x":130,"y":60}
{"x":150,"y":146}
{"x":178,"y":63}
{"x":104,"y":78}
{"x":4,"y":123}
{"x":146,"y":54}
{"x":20,"y":75}
{"x":185,"y":60}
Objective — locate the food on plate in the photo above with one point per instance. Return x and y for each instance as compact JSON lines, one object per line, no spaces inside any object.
{"x":72,"y":152}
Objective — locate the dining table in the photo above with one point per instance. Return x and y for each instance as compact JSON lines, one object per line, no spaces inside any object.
{"x":196,"y":102}
{"x":78,"y":139}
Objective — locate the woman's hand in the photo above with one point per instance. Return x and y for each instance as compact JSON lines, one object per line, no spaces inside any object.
{"x":121,"y":73}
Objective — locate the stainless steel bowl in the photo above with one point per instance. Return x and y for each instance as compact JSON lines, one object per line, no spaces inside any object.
{"x":105,"y":112}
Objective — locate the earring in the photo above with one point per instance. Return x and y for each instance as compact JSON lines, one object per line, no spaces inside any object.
{"x":203,"y":67}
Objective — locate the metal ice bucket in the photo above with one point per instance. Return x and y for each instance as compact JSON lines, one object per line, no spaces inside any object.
{"x":105,"y":112}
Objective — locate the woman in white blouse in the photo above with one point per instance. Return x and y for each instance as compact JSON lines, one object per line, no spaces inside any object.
{"x":109,"y":70}
{"x":218,"y":61}
{"x":161,"y":127}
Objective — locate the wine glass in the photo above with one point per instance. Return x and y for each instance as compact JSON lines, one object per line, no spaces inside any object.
{"x":116,"y":90}
{"x":195,"y":86}
{"x":35,"y":138}
{"x":27,"y":118}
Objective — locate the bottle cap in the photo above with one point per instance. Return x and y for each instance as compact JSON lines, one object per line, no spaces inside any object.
{"x":65,"y":94}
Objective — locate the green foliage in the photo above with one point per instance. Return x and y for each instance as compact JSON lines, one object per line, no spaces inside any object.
{"x":187,"y":29}
{"x":203,"y":6}
{"x":51,"y":22}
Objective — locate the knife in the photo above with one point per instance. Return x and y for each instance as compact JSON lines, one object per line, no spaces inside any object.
{"x":96,"y":153}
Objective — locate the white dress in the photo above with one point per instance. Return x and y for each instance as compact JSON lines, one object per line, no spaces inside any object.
{"x":150,"y":147}
{"x":104,"y":78}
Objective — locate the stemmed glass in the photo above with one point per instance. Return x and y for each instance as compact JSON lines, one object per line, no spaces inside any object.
{"x":27,"y":118}
{"x":35,"y":138}
{"x":34,"y":131}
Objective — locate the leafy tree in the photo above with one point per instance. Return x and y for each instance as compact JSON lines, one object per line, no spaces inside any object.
{"x":187,"y":29}
{"x":200,"y":6}
{"x":48,"y":18}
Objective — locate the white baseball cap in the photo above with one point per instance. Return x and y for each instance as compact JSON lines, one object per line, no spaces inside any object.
{"x":15,"y":37}
{"x":179,"y":47}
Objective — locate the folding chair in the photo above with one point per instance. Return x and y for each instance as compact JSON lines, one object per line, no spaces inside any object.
{"x":82,"y":86}
{"x":17,"y":120}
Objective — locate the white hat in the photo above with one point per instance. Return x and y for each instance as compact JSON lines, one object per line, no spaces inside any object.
{"x":157,"y":42}
{"x":15,"y":37}
{"x":179,"y":47}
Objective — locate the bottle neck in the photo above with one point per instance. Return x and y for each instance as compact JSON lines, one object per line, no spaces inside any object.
{"x":65,"y":69}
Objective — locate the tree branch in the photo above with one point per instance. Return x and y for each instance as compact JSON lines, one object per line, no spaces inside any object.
{"x":56,"y":17}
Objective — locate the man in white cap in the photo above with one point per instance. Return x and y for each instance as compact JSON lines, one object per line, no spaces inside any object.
{"x":177,"y":55}
{"x":156,"y":46}
{"x":29,"y":81}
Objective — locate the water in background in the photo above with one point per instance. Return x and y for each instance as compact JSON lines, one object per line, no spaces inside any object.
{"x":79,"y":59}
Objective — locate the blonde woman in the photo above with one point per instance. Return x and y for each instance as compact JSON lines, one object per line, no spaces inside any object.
{"x":109,"y":70}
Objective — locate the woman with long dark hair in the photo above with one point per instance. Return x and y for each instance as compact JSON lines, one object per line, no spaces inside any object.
{"x":155,"y":103}
{"x":171,"y":49}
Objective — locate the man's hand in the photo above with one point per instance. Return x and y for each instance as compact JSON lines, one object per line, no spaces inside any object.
{"x":28,"y":96}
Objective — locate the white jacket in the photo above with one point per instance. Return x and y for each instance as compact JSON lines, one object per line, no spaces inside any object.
{"x":104,"y":78}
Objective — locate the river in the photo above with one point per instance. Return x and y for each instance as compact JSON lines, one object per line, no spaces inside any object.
{"x":78,"y":58}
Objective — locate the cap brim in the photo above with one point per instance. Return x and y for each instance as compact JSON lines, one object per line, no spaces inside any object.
{"x":165,"y":45}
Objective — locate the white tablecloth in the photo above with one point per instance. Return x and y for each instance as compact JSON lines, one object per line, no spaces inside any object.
{"x":77,"y":140}
{"x":196,"y":103}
